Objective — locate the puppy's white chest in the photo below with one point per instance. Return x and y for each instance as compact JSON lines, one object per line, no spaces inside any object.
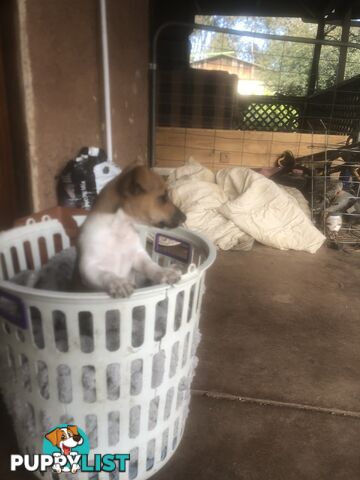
{"x":120,"y":250}
{"x":111,"y":243}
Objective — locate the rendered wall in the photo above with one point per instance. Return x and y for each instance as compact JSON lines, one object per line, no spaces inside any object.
{"x":60,"y":52}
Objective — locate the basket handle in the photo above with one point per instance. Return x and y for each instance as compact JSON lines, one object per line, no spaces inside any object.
{"x":183,"y":252}
{"x":13,"y":309}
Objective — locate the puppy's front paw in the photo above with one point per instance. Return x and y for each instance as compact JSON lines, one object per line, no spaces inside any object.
{"x":75,"y":468}
{"x":169,"y":275}
{"x":119,"y":288}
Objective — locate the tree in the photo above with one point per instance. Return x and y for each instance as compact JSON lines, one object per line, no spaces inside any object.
{"x":283,"y":66}
{"x":206,"y":43}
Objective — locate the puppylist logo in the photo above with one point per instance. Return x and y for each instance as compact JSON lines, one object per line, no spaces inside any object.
{"x":66,"y":449}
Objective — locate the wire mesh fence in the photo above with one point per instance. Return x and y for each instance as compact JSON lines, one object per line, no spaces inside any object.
{"x":243,"y":81}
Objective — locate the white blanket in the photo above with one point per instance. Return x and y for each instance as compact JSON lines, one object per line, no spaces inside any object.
{"x":237,"y":206}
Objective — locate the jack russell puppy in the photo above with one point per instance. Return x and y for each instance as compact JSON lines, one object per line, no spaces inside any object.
{"x":110,"y":252}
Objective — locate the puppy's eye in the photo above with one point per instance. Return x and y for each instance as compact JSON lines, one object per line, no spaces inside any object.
{"x":63,"y":437}
{"x":163,"y":198}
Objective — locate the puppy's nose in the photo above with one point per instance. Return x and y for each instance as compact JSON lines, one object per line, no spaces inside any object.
{"x":183,"y":218}
{"x":77,"y":438}
{"x":180,"y":217}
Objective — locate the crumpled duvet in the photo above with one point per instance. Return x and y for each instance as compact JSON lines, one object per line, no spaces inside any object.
{"x":237,"y":206}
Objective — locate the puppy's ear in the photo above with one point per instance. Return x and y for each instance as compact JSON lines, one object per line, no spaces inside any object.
{"x":53,"y":436}
{"x":134,"y":181}
{"x":73,"y":429}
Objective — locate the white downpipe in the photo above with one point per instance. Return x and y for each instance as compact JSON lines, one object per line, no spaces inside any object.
{"x":106,"y":79}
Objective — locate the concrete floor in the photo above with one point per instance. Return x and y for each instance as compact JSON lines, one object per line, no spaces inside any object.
{"x":277,"y":391}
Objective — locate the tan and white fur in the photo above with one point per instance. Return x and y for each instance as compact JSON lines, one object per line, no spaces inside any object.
{"x":110,"y":252}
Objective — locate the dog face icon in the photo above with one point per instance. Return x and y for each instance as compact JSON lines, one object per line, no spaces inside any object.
{"x":65,"y":439}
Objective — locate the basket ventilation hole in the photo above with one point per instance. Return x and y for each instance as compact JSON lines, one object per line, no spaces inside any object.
{"x":134,"y":421}
{"x":33,"y":451}
{"x":183,"y":423}
{"x":113,"y":428}
{"x":58,"y":242}
{"x":113,"y":330}
{"x":161,"y":317}
{"x":15,"y":260}
{"x":92,"y":430}
{"x":20,"y":336}
{"x":29,"y":425}
{"x":149,"y":246}
{"x":88,"y":379}
{"x":60,"y":331}
{"x":181,"y":392}
{"x":11,"y":360}
{"x":150,"y":455}
{"x":178,"y":310}
{"x":7,"y":328}
{"x":136,"y":377}
{"x":158,"y":368}
{"x":175,"y":437}
{"x":164,"y":445}
{"x":28,"y":255}
{"x":71,"y":476}
{"x":168,"y":403}
{"x":153,"y":413}
{"x":44,"y":258}
{"x":45,"y":422}
{"x":113,"y":381}
{"x":191,"y":303}
{"x":64,"y":384}
{"x":86,"y":330}
{"x":37,"y":328}
{"x":66,"y":419}
{"x":133,"y":464}
{"x":93,"y":476}
{"x":191,"y":268}
{"x":195,"y":341}
{"x":138,"y":324}
{"x":43,"y":379}
{"x":161,"y":261}
{"x":199,"y":295}
{"x":186,"y":348}
{"x":25,"y":371}
{"x":4,"y":270}
{"x":174,"y":359}
{"x":114,"y":475}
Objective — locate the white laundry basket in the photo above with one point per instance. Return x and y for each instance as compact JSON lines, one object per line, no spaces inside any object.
{"x":120,"y":369}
